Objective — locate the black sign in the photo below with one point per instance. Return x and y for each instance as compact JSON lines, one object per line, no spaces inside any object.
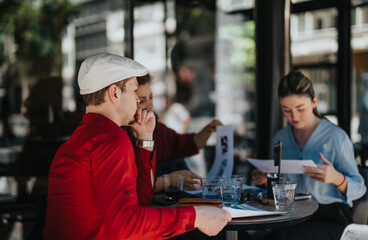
{"x":277,"y":153}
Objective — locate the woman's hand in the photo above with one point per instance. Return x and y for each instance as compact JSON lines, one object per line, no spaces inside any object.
{"x":258,"y":177}
{"x":191,"y":180}
{"x":326,"y":173}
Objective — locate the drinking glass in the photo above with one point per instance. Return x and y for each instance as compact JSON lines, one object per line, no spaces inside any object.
{"x":231,"y":189}
{"x":284,"y":195}
{"x":173,"y":187}
{"x":211,"y":188}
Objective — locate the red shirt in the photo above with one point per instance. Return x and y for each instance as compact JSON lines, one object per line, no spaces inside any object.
{"x":93,"y":185}
{"x":169,"y":144}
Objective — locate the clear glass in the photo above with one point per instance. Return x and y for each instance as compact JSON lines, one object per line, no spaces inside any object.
{"x":284,"y":195}
{"x":231,"y":190}
{"x":173,"y":187}
{"x":211,"y":188}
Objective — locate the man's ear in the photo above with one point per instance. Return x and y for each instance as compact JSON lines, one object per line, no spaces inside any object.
{"x":112,"y":93}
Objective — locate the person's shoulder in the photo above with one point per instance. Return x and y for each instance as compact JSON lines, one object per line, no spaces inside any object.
{"x":281,"y":135}
{"x":282,"y":132}
{"x":103,"y":128}
{"x":332,"y":128}
{"x":163,"y":131}
{"x":332,"y":131}
{"x":161,"y":127}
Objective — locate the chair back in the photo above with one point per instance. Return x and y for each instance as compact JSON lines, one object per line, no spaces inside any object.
{"x":355,"y":232}
{"x":360,"y":208}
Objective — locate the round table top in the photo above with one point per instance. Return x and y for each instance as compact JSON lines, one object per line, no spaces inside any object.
{"x":303,"y":209}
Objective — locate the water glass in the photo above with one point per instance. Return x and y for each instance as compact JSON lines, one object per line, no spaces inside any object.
{"x":284,"y":194}
{"x":239,"y":178}
{"x":231,"y":189}
{"x":271,"y":177}
{"x":173,"y":187}
{"x":211,"y":188}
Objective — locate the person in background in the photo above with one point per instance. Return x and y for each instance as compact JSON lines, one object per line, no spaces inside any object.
{"x":100,"y":185}
{"x":363,"y":125}
{"x":176,"y":117}
{"x":169,"y":144}
{"x":335,"y":183}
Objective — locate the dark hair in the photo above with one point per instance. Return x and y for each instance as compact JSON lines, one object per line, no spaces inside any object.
{"x":144,"y":79}
{"x":98,"y":97}
{"x":295,"y":83}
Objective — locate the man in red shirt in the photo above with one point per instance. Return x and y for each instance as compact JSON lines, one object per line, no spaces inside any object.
{"x":101,"y":190}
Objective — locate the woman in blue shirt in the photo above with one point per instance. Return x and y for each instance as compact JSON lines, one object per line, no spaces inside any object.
{"x":336,"y":181}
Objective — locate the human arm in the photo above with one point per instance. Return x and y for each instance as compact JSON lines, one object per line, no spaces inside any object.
{"x":122,"y":214}
{"x":146,"y":179}
{"x":327,"y":174}
{"x":202,"y":136}
{"x":144,"y":125}
{"x":340,"y":152}
{"x":210,"y":220}
{"x":172,"y":145}
{"x":145,"y":159}
{"x":191,"y":180}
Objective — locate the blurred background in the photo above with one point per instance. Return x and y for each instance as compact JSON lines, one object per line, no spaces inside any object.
{"x":215,"y":59}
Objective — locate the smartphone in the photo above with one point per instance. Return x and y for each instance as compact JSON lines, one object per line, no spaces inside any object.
{"x":302,"y":196}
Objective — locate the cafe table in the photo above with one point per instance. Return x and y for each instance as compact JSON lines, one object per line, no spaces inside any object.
{"x":302,"y":211}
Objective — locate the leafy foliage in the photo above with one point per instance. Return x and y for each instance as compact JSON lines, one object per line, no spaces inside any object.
{"x":37,"y":32}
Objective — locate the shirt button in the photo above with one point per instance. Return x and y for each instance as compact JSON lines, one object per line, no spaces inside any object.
{"x":127,"y":191}
{"x":187,"y":227}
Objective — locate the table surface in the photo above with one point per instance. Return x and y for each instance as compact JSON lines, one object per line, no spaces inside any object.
{"x":302,"y":210}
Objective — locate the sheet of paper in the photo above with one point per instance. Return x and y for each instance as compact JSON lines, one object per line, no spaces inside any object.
{"x":287,"y":166}
{"x":224,"y":160}
{"x":238,"y":213}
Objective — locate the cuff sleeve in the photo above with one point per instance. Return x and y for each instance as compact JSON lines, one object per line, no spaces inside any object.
{"x":146,"y":160}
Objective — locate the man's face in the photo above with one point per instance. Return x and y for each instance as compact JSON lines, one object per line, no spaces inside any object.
{"x":129,"y":101}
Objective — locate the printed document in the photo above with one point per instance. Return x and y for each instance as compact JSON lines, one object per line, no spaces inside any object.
{"x":224,"y":160}
{"x":287,"y":166}
{"x":239,"y":213}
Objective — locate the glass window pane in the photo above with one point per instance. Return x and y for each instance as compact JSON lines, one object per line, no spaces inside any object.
{"x":208,"y":67}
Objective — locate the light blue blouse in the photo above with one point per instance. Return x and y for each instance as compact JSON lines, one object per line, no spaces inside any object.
{"x":336,"y":147}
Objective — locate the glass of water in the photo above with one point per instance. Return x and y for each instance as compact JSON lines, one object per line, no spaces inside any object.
{"x":284,"y":195}
{"x":211,"y":188}
{"x":231,"y":189}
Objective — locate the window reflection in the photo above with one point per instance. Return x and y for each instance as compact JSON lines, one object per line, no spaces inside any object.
{"x":208,"y":67}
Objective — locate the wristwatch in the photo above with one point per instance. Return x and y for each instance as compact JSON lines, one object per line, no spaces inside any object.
{"x":145,"y":143}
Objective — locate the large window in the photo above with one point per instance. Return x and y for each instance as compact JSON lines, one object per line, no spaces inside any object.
{"x":314,"y":52}
{"x":209,"y":68}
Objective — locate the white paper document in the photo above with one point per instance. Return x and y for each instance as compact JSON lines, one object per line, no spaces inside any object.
{"x":287,"y":166}
{"x":239,"y":213}
{"x":224,"y":160}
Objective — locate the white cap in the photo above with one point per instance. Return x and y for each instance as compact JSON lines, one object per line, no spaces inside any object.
{"x":103,"y":69}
